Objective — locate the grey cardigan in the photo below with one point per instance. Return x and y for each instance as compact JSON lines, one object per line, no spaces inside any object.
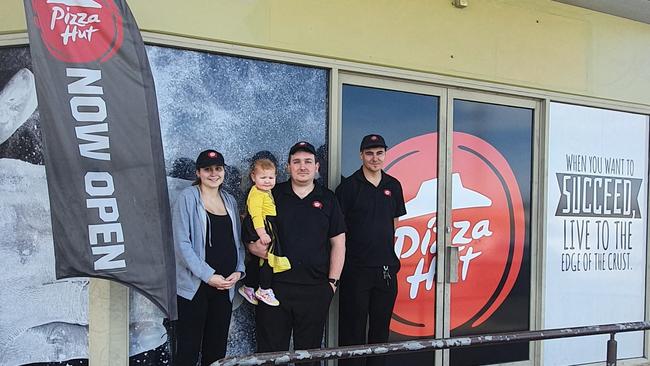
{"x":189,"y":226}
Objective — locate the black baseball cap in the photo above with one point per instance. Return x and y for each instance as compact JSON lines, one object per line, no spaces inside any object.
{"x":208,"y":158}
{"x":302,"y":146}
{"x":370,"y":141}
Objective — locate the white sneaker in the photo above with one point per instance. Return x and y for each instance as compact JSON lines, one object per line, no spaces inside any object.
{"x":248,"y":293}
{"x":267,"y":296}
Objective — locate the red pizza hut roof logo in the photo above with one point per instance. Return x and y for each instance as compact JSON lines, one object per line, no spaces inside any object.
{"x":387,"y":193}
{"x":79,"y":31}
{"x":212,"y":154}
{"x":317,"y":204}
{"x":488,"y":227}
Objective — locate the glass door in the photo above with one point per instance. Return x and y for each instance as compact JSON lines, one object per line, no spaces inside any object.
{"x":466,"y":163}
{"x":488,"y":288}
{"x":407,"y":116}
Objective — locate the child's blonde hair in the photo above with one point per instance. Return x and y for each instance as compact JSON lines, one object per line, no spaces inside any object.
{"x":263,"y":164}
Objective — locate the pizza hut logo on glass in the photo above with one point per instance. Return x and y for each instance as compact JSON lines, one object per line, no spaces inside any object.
{"x":79,"y":31}
{"x":387,"y":193}
{"x":488,"y":229}
{"x":317,"y":204}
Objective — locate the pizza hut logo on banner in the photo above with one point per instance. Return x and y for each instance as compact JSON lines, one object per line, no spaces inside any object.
{"x":79,"y":31}
{"x":488,"y":229}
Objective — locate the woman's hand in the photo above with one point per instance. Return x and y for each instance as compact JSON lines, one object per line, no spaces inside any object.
{"x":234,"y":277}
{"x":221,"y":283}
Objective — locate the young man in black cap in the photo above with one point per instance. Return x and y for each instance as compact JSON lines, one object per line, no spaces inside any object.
{"x":371,"y":201}
{"x":311,"y":228}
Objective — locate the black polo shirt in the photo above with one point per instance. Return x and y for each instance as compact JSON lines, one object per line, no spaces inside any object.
{"x":369,"y":212}
{"x":304,"y":229}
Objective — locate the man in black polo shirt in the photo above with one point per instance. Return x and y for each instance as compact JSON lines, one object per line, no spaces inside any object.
{"x":311,"y":230}
{"x":371,"y":201}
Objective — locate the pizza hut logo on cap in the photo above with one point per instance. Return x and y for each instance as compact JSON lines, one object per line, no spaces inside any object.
{"x":387,"y":193}
{"x":488,"y":229}
{"x":212,"y":154}
{"x":317,"y":204}
{"x":302,"y":143}
{"x":79,"y":31}
{"x":373,"y":138}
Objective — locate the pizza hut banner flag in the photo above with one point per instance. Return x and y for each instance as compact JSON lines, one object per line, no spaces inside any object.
{"x":103,"y":151}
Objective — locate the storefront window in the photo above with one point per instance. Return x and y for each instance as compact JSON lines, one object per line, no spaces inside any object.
{"x":238,"y":106}
{"x":241,"y":107}
{"x":596,"y":218}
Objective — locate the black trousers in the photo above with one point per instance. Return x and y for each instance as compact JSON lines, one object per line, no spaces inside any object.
{"x":202,"y":326}
{"x":303,"y":310}
{"x":365,"y":298}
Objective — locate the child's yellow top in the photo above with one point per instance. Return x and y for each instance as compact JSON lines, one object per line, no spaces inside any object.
{"x":260,"y":204}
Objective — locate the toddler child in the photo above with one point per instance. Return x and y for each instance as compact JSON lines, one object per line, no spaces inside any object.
{"x":261,"y":210}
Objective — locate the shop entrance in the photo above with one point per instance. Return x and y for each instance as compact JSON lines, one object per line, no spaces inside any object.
{"x":465,"y":161}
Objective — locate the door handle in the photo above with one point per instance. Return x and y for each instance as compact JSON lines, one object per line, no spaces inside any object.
{"x":452,"y":264}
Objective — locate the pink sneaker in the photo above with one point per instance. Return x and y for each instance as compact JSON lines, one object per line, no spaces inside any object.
{"x":267,"y":296}
{"x":248,"y":293}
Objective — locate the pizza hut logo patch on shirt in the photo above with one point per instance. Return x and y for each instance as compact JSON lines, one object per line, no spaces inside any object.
{"x":79,"y":31}
{"x":317,"y":204}
{"x":387,"y":193}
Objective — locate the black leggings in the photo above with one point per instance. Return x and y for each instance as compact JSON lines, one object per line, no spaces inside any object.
{"x":258,"y":276}
{"x":202,"y":326}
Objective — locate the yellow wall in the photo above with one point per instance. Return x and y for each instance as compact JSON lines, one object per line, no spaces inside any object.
{"x":533,"y":43}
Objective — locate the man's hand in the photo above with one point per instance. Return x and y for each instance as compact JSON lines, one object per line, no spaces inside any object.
{"x":258,"y":249}
{"x":337,"y":256}
{"x":265,"y":239}
{"x":333,"y":287}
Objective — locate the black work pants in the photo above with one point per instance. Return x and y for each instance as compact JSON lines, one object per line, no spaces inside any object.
{"x":303,"y":310}
{"x":202,"y":326}
{"x":365,"y":298}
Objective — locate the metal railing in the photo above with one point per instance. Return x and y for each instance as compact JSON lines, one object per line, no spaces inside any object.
{"x":432,"y":344}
